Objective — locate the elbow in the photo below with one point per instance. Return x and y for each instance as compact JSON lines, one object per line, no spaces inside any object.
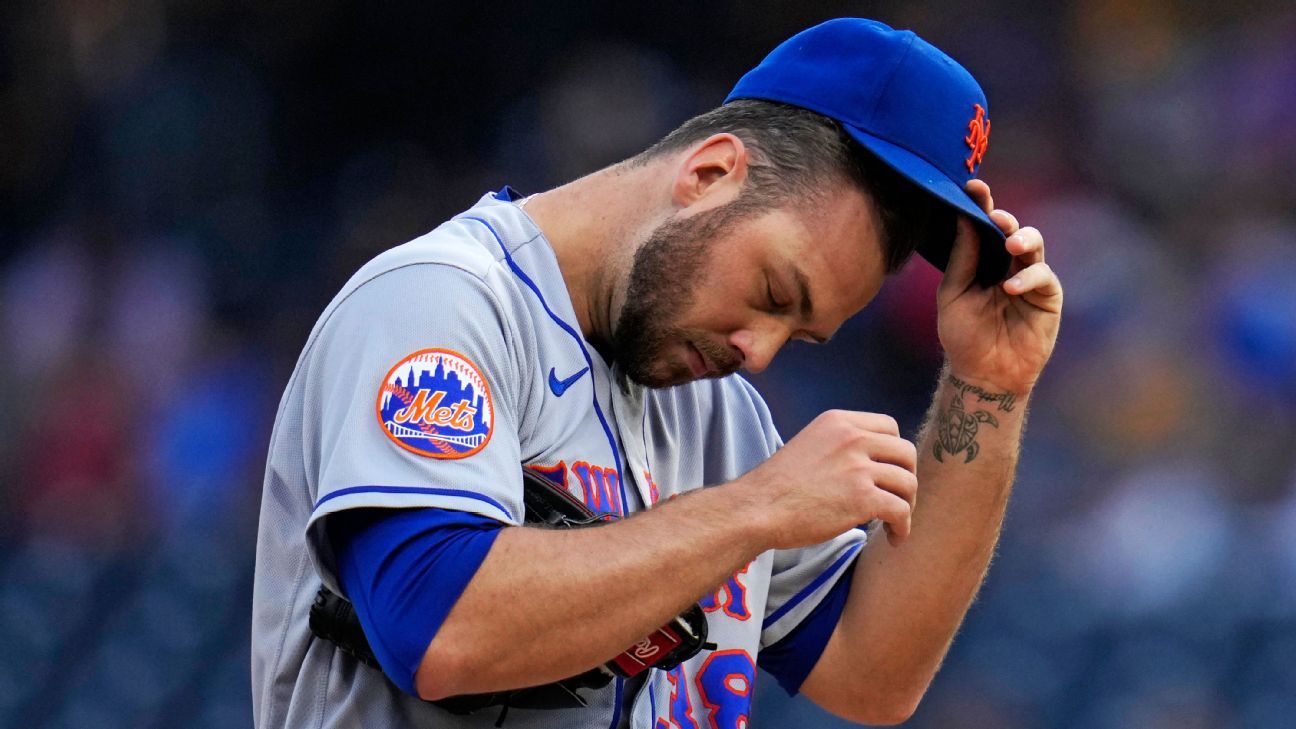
{"x":440,"y":673}
{"x":895,"y":713}
{"x":430,"y":685}
{"x":881,"y":710}
{"x":879,"y":714}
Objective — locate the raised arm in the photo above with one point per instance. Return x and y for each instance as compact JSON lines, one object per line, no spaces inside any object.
{"x":907,"y":602}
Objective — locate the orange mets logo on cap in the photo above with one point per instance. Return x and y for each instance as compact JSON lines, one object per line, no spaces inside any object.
{"x":978,"y":137}
{"x":436,"y":403}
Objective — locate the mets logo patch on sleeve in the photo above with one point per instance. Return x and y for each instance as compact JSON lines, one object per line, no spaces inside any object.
{"x":436,"y":403}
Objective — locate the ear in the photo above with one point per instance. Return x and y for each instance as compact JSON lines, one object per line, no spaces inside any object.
{"x":714,"y":169}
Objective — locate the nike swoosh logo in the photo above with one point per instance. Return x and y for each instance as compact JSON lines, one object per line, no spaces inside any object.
{"x":558,"y":387}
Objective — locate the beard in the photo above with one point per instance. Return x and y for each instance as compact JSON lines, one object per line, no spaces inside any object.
{"x":665,"y":278}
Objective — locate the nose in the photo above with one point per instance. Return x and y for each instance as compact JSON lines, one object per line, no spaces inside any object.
{"x":758,"y":350}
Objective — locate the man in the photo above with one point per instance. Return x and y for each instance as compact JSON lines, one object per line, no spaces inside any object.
{"x":590,"y":333}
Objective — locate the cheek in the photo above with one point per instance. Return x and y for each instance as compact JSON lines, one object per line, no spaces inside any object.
{"x":720,"y":302}
{"x":708,"y":317}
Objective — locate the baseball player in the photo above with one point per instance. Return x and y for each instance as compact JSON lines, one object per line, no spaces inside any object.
{"x":591,"y":334}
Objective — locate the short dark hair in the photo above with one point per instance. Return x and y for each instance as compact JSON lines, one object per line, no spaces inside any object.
{"x":797,"y":153}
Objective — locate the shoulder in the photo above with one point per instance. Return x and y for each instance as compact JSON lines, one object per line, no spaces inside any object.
{"x":481,"y":248}
{"x":420,"y":295}
{"x":454,"y":250}
{"x":441,"y":288}
{"x":465,"y":266}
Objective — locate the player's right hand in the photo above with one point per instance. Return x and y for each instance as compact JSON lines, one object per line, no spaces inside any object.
{"x":843,"y":470}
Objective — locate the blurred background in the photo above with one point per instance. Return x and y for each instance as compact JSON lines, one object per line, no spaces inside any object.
{"x":184,"y":185}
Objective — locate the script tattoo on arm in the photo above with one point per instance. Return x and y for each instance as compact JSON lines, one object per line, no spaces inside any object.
{"x":956,"y":427}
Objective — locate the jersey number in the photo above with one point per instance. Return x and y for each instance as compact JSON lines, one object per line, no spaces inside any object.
{"x":600,"y":487}
{"x":725,"y":684}
{"x":731,"y":597}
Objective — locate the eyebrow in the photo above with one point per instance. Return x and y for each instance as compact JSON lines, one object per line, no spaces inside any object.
{"x":807,"y":305}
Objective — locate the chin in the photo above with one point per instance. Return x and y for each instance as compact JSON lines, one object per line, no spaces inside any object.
{"x":661,"y":375}
{"x":668,"y":366}
{"x":674,"y":379}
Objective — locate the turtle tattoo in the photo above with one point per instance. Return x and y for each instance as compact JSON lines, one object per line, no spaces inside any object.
{"x":958,"y":430}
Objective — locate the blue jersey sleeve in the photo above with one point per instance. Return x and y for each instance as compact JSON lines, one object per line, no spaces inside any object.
{"x":791,"y":659}
{"x":404,"y":569}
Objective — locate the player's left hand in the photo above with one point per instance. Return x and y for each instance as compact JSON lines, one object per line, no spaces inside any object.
{"x":1000,"y":336}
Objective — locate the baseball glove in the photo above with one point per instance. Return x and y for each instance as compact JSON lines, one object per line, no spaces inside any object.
{"x":333,"y":618}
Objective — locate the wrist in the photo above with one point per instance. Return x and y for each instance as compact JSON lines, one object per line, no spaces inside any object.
{"x":747,"y":502}
{"x":967,"y":380}
{"x":983,"y":392}
{"x":965,"y":412}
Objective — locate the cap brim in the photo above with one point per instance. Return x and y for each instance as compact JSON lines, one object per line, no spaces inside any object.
{"x":993,"y":261}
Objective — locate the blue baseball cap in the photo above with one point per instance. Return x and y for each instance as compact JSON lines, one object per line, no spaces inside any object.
{"x":905,"y":101}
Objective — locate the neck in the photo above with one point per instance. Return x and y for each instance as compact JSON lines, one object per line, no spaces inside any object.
{"x":594,"y":225}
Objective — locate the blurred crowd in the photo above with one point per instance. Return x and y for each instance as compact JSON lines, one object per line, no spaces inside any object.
{"x":184,"y":185}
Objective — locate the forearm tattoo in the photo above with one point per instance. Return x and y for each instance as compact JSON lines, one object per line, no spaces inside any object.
{"x":956,"y":426}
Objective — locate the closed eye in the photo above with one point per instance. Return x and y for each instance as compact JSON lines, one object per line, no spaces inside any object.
{"x":774,"y":303}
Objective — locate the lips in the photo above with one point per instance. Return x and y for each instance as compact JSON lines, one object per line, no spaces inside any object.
{"x":697,"y":362}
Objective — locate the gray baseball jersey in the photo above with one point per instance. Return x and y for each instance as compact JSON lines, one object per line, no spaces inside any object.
{"x":441,"y":367}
